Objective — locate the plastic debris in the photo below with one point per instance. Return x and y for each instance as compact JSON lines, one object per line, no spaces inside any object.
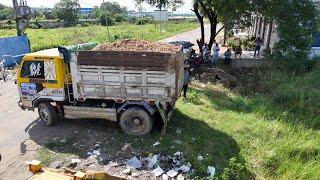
{"x":200,"y":158}
{"x":64,"y":140}
{"x":177,"y":141}
{"x":76,"y":132}
{"x":180,"y":177}
{"x":78,"y":161}
{"x":193,"y":139}
{"x":96,"y":152}
{"x":211,"y":171}
{"x":151,"y":161}
{"x":184,"y":169}
{"x":172,"y":173}
{"x":156,"y":143}
{"x":126,"y":146}
{"x":126,"y":171}
{"x":177,"y":153}
{"x":165,"y":177}
{"x":178,"y":131}
{"x":158,"y":171}
{"x":134,"y":163}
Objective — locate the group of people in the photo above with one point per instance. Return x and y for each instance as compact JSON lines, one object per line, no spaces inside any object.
{"x":215,"y":50}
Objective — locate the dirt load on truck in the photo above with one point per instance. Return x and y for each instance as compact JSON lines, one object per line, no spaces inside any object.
{"x":129,"y":82}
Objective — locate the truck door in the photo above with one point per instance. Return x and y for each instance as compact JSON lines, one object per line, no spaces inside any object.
{"x":40,"y":79}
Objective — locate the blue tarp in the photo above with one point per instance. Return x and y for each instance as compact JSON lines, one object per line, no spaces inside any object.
{"x":13,"y":49}
{"x":316,"y":40}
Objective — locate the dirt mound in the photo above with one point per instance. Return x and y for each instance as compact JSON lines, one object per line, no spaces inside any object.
{"x":138,"y":46}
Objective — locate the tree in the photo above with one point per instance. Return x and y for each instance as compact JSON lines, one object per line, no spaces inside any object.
{"x":6,"y":13}
{"x":113,"y":8}
{"x":68,"y":10}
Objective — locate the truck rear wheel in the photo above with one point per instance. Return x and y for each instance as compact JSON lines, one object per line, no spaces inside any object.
{"x":136,"y":121}
{"x":47,"y":114}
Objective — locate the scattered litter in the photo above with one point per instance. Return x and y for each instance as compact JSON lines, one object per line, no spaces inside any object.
{"x":177,"y":153}
{"x":64,"y":140}
{"x":126,"y":171}
{"x":136,"y":174}
{"x":172,"y":173}
{"x":180,"y":177}
{"x":151,"y":161}
{"x":178,"y":131}
{"x":55,"y":138}
{"x":74,"y":144}
{"x":193,"y":139}
{"x":97,"y":145}
{"x":165,"y":177}
{"x":157,"y":172}
{"x":126,"y":146}
{"x":156,"y":143}
{"x":177,"y":141}
{"x":134,"y":163}
{"x":76,"y":132}
{"x":96,"y":152}
{"x":211,"y":171}
{"x":184,"y":168}
{"x":78,"y":161}
{"x":200,"y":158}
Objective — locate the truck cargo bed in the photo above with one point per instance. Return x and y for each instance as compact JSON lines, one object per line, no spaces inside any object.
{"x":127,"y":75}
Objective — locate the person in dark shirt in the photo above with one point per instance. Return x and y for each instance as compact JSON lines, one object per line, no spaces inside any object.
{"x":227,"y":56}
{"x":238,"y":51}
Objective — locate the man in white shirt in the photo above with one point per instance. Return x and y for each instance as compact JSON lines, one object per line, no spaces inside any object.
{"x":215,"y":53}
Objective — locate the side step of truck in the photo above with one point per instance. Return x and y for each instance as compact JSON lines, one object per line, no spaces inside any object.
{"x":75,"y":112}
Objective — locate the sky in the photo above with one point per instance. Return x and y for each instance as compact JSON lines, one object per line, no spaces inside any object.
{"x":91,"y":3}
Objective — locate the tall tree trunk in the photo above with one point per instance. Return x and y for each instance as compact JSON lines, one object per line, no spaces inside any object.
{"x":200,"y":19}
{"x":213,"y":29}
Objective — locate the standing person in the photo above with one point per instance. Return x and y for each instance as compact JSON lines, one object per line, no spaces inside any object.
{"x":258,"y":43}
{"x":205,"y":51}
{"x":215,"y":54}
{"x":186,"y":82}
{"x":227,"y":55}
{"x":238,"y":51}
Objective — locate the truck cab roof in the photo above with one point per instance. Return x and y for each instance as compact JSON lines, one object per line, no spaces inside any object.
{"x":48,"y":53}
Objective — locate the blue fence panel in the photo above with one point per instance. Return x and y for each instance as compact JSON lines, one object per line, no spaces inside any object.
{"x":13,"y":49}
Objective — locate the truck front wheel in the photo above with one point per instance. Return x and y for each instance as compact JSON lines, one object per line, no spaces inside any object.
{"x":136,"y":121}
{"x":47,"y":114}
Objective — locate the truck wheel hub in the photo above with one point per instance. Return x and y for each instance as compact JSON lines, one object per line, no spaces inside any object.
{"x":136,"y":121}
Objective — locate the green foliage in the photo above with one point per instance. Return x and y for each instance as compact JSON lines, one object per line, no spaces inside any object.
{"x":106,"y":20}
{"x":119,"y":18}
{"x":143,"y":21}
{"x":113,"y":8}
{"x":235,"y":171}
{"x":50,"y":38}
{"x":132,"y":19}
{"x":68,"y":11}
{"x":6,"y":13}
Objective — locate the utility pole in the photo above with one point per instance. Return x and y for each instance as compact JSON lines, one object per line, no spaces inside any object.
{"x":21,"y":14}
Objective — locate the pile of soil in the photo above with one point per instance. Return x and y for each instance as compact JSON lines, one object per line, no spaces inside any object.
{"x":138,"y":46}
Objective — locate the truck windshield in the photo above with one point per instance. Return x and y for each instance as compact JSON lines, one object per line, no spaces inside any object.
{"x":32,"y":69}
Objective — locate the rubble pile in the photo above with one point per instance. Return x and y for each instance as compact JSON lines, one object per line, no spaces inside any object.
{"x":138,"y":46}
{"x":215,"y":75}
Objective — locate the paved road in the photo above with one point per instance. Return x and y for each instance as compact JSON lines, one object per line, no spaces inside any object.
{"x":193,"y":35}
{"x":13,"y":122}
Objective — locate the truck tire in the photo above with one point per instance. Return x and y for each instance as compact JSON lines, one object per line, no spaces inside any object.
{"x":47,"y":113}
{"x":136,"y":121}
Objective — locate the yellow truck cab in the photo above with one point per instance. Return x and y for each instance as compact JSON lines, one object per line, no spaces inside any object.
{"x":129,"y":88}
{"x":41,"y":77}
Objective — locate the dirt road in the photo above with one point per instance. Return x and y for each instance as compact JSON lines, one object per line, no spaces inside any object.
{"x":18,"y":126}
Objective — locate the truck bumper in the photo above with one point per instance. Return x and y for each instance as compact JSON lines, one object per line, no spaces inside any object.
{"x":25,"y":105}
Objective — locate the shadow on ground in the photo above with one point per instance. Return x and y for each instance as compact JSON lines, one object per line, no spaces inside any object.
{"x":196,"y":139}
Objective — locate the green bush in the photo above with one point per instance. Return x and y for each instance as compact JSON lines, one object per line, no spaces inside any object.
{"x":119,"y":18}
{"x":109,"y":19}
{"x":132,"y":19}
{"x":235,"y":171}
{"x":143,"y":21}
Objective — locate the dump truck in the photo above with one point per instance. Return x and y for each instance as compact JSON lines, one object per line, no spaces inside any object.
{"x":133,"y":88}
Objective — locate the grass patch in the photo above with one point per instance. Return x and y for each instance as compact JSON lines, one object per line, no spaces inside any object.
{"x":50,"y":38}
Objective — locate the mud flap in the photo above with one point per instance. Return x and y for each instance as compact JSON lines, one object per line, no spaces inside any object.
{"x":165,"y":118}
